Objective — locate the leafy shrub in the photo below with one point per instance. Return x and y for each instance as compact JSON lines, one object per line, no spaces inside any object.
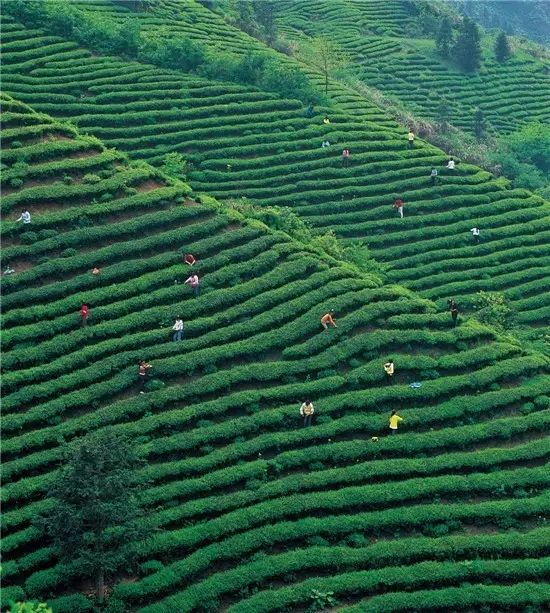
{"x":16,"y":183}
{"x":16,"y":144}
{"x":154,"y":385}
{"x":28,"y":238}
{"x":69,"y":252}
{"x":151,"y":566}
{"x":493,"y":308}
{"x":91,"y":178}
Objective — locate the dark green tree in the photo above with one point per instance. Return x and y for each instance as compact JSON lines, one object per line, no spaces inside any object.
{"x":245,"y":16}
{"x":467,"y":48}
{"x":265,"y":15}
{"x":502,"y":48}
{"x":480,"y":125}
{"x":443,"y":115}
{"x":97,"y":512}
{"x":444,"y":38}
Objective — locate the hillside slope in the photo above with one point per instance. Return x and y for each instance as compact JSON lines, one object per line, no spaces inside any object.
{"x":252,"y":510}
{"x":243,"y":142}
{"x":385,"y":42}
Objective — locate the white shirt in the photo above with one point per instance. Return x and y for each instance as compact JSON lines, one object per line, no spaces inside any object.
{"x":475,"y":231}
{"x":304,"y":405}
{"x":193,"y":280}
{"x":178,"y":325}
{"x":451,"y":165}
{"x":434,"y":172}
{"x":25,"y":217}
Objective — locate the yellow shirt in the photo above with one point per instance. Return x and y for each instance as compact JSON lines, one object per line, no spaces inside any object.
{"x":411,"y":135}
{"x":394,"y":420}
{"x":389,"y":368}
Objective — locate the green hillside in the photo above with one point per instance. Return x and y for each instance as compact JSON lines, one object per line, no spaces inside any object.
{"x":244,"y":142}
{"x":386,"y":42}
{"x":247,"y":510}
{"x":232,"y":475}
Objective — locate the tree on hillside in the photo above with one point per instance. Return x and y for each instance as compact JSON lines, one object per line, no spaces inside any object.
{"x":245,"y":16}
{"x":444,"y":38}
{"x":502,"y":48}
{"x":325,"y":55}
{"x":443,"y":115}
{"x":467,"y":49}
{"x":480,"y":125}
{"x":265,"y":15}
{"x":96,"y":510}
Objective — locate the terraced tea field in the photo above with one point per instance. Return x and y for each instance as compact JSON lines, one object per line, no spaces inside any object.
{"x":381,"y":39}
{"x":243,"y":142}
{"x":252,"y":510}
{"x":249,"y":510}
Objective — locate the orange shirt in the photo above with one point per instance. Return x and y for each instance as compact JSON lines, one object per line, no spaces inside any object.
{"x":327,"y":319}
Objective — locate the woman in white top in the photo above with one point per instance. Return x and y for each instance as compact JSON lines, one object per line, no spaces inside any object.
{"x":178,"y":330}
{"x":451,"y":164}
{"x":306,"y":411}
{"x":25,"y":217}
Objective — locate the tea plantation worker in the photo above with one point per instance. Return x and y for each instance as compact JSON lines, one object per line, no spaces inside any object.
{"x":8,"y":270}
{"x":178,"y":329}
{"x":389,"y":369}
{"x":309,"y":110}
{"x":143,"y":373}
{"x":25,"y":217}
{"x":189,"y":259}
{"x":475,"y":234}
{"x":327,"y":320}
{"x":433,"y":176}
{"x":410,"y":143}
{"x":84,"y":313}
{"x":193,"y":281}
{"x":345,"y":157}
{"x":399,"y":204}
{"x":394,"y":421}
{"x":326,"y":120}
{"x":306,"y":411}
{"x":451,"y":164}
{"x":325,"y":144}
{"x":96,"y":271}
{"x":453,"y":308}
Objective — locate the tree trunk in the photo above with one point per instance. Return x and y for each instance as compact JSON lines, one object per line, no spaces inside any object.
{"x":326,"y":83}
{"x":100,"y":586}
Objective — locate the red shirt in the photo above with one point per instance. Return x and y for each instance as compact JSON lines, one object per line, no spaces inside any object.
{"x":398,"y":203}
{"x":84,"y":312}
{"x":345,"y":153}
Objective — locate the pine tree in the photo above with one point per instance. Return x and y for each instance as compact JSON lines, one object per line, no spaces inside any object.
{"x":502,"y":48}
{"x":96,"y":505}
{"x":480,"y":124}
{"x":444,"y":38}
{"x":467,"y":48}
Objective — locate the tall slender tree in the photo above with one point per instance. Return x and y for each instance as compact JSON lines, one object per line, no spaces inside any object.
{"x":444,"y":38}
{"x":467,"y":48}
{"x":502,"y":48}
{"x":265,"y":15}
{"x":480,"y":125}
{"x":96,"y":514}
{"x":325,"y":55}
{"x":443,"y":115}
